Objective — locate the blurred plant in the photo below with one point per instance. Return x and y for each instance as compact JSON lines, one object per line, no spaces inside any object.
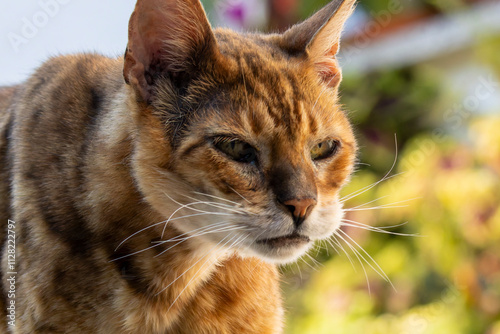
{"x":238,"y":14}
{"x":384,"y":103}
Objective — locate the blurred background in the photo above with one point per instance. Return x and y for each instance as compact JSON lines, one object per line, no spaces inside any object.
{"x":420,"y":249}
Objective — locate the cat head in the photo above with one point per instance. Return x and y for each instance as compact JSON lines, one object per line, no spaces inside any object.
{"x":243,"y":133}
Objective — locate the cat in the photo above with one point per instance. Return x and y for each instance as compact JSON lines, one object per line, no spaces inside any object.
{"x":157,"y":192}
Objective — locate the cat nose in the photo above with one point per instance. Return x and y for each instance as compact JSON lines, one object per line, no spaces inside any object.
{"x":300,"y":208}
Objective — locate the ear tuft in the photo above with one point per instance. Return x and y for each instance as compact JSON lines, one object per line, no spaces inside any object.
{"x":328,"y":68}
{"x":166,"y":38}
{"x":319,"y":38}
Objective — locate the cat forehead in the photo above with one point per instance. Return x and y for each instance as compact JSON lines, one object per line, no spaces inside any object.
{"x":261,"y":60}
{"x":271,"y":89}
{"x":281,"y":121}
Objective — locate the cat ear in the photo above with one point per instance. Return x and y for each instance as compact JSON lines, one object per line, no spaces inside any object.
{"x":319,"y":38}
{"x":166,"y":38}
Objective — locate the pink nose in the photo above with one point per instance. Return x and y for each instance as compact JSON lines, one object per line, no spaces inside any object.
{"x":300,"y":208}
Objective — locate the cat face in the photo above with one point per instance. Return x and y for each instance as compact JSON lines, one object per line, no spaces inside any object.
{"x":244,"y":133}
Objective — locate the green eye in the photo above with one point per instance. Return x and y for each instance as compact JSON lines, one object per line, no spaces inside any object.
{"x":236,"y":149}
{"x":324,"y":149}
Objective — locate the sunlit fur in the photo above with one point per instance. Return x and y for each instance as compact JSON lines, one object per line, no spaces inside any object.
{"x":129,"y":219}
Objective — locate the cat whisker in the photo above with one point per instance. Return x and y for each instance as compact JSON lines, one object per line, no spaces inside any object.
{"x":372,"y":201}
{"x":384,"y":178}
{"x":366,"y":188}
{"x":335,"y":242}
{"x":217,"y":197}
{"x":308,"y":264}
{"x":215,"y":228}
{"x":383,"y":206}
{"x":201,"y":267}
{"x":378,"y":208}
{"x":165,"y":221}
{"x":224,"y":229}
{"x":330,"y":242}
{"x":318,"y":247}
{"x":190,"y":205}
{"x":217,"y":205}
{"x":237,"y":193}
{"x":376,"y":267}
{"x":178,"y":277}
{"x":202,"y":233}
{"x":355,"y":224}
{"x":134,"y":253}
{"x":314,"y":261}
{"x":389,"y":205}
{"x":300,"y":272}
{"x":185,"y":206}
{"x":196,"y":231}
{"x":141,"y":251}
{"x":325,"y":246}
{"x":359,"y":257}
{"x":379,"y":227}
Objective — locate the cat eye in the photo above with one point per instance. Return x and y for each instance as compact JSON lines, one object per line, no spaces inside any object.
{"x":324,"y":150}
{"x":236,"y":149}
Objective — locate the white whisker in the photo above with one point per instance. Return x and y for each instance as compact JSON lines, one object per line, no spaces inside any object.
{"x":379,"y":271}
{"x":366,"y":188}
{"x":384,"y":178}
{"x":315,"y":262}
{"x":355,"y":224}
{"x":359,"y":257}
{"x":217,"y":205}
{"x":201,"y":229}
{"x":378,"y":208}
{"x":201,"y":267}
{"x":189,"y":205}
{"x":372,"y":201}
{"x":217,"y":197}
{"x":379,"y":227}
{"x":237,"y":193}
{"x":163,"y":222}
{"x":216,"y":228}
{"x":298,"y":267}
{"x":383,"y":206}
{"x":182,"y":206}
{"x":337,"y":242}
{"x":178,"y":277}
{"x":330,"y":242}
{"x":226,"y":229}
{"x":308,"y":264}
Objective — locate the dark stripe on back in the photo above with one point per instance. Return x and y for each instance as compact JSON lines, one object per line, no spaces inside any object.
{"x":129,"y":271}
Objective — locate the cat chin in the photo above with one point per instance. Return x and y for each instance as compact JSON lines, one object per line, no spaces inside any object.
{"x":276,"y":255}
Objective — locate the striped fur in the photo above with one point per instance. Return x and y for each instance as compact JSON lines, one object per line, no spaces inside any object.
{"x":129,"y":219}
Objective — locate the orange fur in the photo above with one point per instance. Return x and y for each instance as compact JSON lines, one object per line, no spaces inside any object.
{"x":131,"y":215}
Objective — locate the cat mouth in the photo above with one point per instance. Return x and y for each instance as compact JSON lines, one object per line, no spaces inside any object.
{"x":291,"y":240}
